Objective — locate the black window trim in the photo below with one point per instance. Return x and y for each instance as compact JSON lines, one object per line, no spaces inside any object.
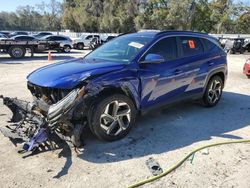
{"x":178,"y":47}
{"x":181,"y":50}
{"x":151,"y":46}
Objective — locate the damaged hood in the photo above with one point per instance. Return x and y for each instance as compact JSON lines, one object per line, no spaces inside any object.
{"x":66,"y":75}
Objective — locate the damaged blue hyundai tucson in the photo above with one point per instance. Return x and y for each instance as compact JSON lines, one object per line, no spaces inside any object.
{"x":121,"y":79}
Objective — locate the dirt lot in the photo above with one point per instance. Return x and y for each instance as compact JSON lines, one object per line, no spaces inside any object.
{"x":167,"y":135}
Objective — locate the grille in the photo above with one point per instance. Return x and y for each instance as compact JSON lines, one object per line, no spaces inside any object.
{"x":53,"y":95}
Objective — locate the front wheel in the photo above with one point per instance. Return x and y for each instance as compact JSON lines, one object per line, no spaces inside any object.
{"x":213,"y":92}
{"x":17,"y":52}
{"x":112,"y":118}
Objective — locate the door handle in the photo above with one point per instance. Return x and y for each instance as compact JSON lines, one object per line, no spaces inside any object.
{"x":177,"y":71}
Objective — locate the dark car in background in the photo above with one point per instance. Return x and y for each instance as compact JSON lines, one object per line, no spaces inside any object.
{"x":234,"y":45}
{"x":6,"y":33}
{"x":59,"y":42}
{"x":24,"y":38}
{"x":3,"y":36}
{"x":18,"y":33}
{"x":42,"y":34}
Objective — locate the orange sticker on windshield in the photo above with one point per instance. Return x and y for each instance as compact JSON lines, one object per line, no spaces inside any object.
{"x":191,"y":44}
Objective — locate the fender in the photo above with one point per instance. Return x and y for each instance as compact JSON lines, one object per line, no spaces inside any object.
{"x":221,"y":69}
{"x":124,"y":81}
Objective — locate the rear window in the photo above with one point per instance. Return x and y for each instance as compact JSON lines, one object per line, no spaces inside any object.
{"x":191,"y":46}
{"x":209,"y":46}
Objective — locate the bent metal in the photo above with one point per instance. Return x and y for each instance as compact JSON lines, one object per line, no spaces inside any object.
{"x":32,"y":123}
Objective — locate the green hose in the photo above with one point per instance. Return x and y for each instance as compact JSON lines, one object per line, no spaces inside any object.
{"x":182,"y":161}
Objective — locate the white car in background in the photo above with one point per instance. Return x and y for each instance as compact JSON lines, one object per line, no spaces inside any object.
{"x":84,"y":41}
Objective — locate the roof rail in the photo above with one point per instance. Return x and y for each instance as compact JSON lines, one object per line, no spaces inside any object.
{"x":178,"y":31}
{"x":148,"y":30}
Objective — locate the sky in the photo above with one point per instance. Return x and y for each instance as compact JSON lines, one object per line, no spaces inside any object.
{"x":11,"y":5}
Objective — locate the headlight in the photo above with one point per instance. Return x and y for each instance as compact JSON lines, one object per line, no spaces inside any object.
{"x":63,"y":106}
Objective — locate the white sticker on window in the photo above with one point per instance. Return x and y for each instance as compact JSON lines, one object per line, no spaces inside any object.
{"x":136,"y":44}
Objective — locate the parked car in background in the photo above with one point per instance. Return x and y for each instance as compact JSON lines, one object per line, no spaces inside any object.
{"x":83,"y":41}
{"x":128,"y":76}
{"x":3,"y":36}
{"x":6,"y":33}
{"x":95,"y":43}
{"x":24,"y":38}
{"x":108,"y":38}
{"x":61,"y":43}
{"x":42,"y":34}
{"x":234,"y":45}
{"x":246,"y":68}
{"x":247,"y":45}
{"x":18,"y":33}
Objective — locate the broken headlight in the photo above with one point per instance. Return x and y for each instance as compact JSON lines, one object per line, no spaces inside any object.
{"x":56,"y":111}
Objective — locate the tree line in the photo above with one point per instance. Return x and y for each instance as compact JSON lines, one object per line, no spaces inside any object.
{"x":121,"y":16}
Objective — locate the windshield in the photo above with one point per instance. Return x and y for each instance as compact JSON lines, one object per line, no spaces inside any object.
{"x":121,"y":49}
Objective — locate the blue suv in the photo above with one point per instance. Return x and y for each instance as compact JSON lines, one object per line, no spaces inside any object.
{"x":128,"y":76}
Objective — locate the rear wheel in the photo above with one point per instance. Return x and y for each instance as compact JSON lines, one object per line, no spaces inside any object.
{"x":213,"y":91}
{"x":231,"y":51}
{"x":248,"y":76}
{"x":112,"y":118}
{"x":66,"y":48}
{"x":17,"y":52}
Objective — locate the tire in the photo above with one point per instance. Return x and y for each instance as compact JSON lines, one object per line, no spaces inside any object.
{"x":66,"y":48}
{"x":108,"y":125}
{"x":17,"y":52}
{"x":80,"y":46}
{"x":213,"y":91}
{"x":248,"y":76}
{"x":231,"y":51}
{"x":242,"y":51}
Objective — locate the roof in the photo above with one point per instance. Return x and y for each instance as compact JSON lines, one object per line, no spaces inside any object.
{"x":158,"y":34}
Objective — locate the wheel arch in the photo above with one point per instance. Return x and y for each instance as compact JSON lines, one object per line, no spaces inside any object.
{"x":218,"y":72}
{"x":107,"y":91}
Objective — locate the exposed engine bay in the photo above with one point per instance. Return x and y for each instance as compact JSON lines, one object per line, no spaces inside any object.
{"x":51,"y":112}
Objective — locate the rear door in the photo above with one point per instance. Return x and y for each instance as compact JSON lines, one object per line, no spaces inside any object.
{"x":193,"y":64}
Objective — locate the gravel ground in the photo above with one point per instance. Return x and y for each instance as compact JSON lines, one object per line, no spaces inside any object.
{"x":166,"y":135}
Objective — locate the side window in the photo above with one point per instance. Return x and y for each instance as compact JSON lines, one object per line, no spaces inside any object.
{"x":165,"y":47}
{"x":61,"y":38}
{"x":51,"y":38}
{"x":89,"y":37}
{"x":191,"y":46}
{"x":27,"y":38}
{"x":209,"y":46}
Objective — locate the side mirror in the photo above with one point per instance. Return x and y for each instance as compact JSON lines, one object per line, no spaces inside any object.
{"x":153,"y":58}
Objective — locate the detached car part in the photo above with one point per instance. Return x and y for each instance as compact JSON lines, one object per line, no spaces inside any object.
{"x":32,"y":124}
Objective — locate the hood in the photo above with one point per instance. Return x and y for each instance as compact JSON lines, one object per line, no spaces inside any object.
{"x":66,"y":75}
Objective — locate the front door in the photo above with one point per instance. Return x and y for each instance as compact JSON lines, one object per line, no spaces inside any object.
{"x":161,"y":82}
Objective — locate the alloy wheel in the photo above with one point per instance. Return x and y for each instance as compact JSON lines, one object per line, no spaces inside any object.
{"x":214,"y":91}
{"x":115,"y":118}
{"x":67,"y":49}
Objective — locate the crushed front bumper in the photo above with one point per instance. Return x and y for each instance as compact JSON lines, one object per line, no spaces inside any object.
{"x":32,"y":125}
